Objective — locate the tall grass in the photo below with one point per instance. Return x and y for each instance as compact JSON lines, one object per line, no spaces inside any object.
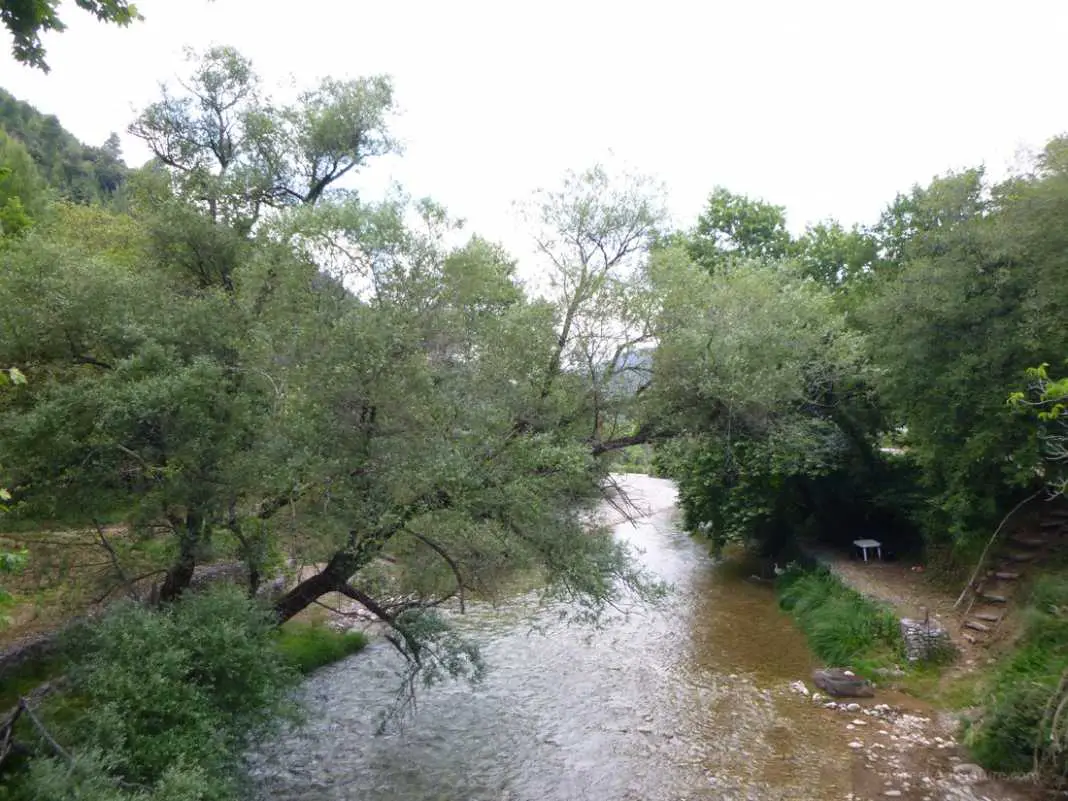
{"x":307,"y":646}
{"x":843,"y":628}
{"x":1023,"y":725}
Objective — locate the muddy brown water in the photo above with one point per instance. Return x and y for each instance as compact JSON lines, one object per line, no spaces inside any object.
{"x":687,"y":699}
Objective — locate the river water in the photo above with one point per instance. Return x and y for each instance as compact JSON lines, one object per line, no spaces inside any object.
{"x":688,"y":699}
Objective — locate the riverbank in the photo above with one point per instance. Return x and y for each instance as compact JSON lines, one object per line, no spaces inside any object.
{"x":910,"y":740}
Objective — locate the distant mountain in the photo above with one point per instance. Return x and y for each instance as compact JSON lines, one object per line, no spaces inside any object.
{"x":632,"y":371}
{"x":81,"y":173}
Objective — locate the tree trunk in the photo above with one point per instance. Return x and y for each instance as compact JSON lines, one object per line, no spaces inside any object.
{"x":180,"y":574}
{"x":344,"y":564}
{"x":332,"y":578}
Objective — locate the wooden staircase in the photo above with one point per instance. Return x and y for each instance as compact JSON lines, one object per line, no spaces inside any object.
{"x":991,"y":595}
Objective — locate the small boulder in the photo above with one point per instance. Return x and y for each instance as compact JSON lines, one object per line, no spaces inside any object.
{"x":842,"y":683}
{"x":969,"y":771}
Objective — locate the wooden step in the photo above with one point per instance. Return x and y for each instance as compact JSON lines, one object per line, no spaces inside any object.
{"x":975,"y":625}
{"x":1006,"y":575}
{"x":1030,"y":542}
{"x":991,"y":598}
{"x":989,"y":617}
{"x":1020,"y":556}
{"x":970,"y":638}
{"x":1053,"y":523}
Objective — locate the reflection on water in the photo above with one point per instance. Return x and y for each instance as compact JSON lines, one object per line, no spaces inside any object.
{"x":687,"y":700}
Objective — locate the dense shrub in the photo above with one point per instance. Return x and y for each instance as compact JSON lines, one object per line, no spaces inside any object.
{"x":161,"y":704}
{"x":1020,"y":719}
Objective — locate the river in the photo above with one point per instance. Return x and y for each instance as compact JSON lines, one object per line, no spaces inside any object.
{"x":687,"y":699}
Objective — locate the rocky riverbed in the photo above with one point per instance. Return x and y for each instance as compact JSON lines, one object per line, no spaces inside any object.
{"x":901,"y":750}
{"x":694,"y":698}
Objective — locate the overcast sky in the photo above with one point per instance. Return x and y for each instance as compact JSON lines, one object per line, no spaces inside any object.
{"x":827,"y":108}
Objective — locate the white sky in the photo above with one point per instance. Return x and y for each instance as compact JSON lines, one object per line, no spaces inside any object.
{"x":827,"y":108}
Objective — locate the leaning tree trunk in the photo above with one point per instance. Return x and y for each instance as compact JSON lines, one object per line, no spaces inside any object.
{"x":342,"y":566}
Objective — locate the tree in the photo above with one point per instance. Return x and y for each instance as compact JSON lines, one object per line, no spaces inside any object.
{"x":475,"y":453}
{"x":765,"y":385}
{"x":833,"y":256}
{"x":969,"y":292}
{"x":22,"y":194}
{"x":928,"y":221}
{"x":235,"y":153}
{"x":595,"y":233}
{"x":26,"y":20}
{"x":735,"y":226}
{"x":201,"y":385}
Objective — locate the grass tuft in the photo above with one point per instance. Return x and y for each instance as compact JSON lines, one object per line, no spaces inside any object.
{"x":310,"y":645}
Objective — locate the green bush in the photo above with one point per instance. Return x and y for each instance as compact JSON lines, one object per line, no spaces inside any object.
{"x":307,"y":646}
{"x":842,"y":626}
{"x":160,"y":704}
{"x":635,"y":459}
{"x":1025,"y":691}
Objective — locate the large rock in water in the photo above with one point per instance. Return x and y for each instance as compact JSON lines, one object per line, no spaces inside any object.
{"x":842,"y":683}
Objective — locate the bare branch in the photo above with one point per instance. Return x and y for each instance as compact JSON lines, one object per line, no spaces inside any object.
{"x":114,"y":557}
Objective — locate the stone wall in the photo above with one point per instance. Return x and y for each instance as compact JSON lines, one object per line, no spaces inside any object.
{"x":924,"y":640}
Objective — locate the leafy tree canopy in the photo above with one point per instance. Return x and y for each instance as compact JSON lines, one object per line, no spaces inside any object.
{"x":26,"y":20}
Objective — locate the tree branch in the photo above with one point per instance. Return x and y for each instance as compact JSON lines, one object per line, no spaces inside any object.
{"x":449,"y":560}
{"x":378,"y":611}
{"x":643,"y":436}
{"x":114,"y":557}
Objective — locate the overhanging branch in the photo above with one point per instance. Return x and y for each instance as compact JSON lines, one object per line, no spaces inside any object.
{"x":448,"y":560}
{"x":643,"y":436}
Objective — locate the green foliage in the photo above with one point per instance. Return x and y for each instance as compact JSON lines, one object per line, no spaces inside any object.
{"x":234,"y":152}
{"x":10,"y":561}
{"x":21,"y":190}
{"x":1021,"y":727}
{"x":835,"y":257}
{"x":308,"y":646}
{"x":762,"y":373}
{"x":973,"y":297}
{"x":88,"y":777}
{"x":635,"y":459}
{"x":1045,"y":400}
{"x":354,"y":384}
{"x":76,"y":172}
{"x":735,"y":226}
{"x":162,"y":701}
{"x":26,"y":20}
{"x":843,"y":627}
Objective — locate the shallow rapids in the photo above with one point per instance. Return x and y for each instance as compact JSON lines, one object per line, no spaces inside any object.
{"x":685,"y":700}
